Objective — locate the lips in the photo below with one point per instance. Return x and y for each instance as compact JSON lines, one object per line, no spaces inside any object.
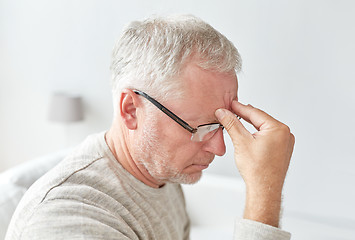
{"x":199,"y":167}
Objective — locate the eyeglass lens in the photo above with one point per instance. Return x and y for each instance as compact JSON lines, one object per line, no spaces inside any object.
{"x":205,"y":132}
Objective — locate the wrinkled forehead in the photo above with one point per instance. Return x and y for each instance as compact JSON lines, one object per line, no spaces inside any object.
{"x":201,"y":83}
{"x":208,"y":90}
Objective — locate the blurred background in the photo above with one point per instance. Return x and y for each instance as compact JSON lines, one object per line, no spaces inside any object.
{"x":298,"y":59}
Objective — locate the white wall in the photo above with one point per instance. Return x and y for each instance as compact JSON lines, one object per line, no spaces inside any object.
{"x":297,"y":65}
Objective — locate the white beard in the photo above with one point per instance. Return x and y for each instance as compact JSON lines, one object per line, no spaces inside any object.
{"x":156,"y":161}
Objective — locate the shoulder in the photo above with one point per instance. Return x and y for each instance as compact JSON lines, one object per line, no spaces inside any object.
{"x":72,"y":203}
{"x":78,"y":188}
{"x":72,"y":219}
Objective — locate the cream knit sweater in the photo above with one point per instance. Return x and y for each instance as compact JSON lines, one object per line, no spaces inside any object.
{"x":89,"y":195}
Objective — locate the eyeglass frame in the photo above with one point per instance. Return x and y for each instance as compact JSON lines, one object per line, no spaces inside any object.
{"x":172,"y":115}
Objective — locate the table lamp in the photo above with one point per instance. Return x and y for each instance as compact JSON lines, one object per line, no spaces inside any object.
{"x":66,"y":109}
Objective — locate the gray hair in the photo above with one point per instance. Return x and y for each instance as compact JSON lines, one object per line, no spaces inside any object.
{"x":151,"y":54}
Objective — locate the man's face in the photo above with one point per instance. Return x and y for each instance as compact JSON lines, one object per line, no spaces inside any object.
{"x":165,"y":149}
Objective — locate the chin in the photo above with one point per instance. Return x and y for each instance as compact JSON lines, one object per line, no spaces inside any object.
{"x":187,"y":178}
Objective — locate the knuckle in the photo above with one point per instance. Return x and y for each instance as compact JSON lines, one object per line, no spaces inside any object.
{"x":284,"y":128}
{"x":229,"y":124}
{"x":250,"y":108}
{"x":293,"y":139}
{"x":284,"y":133}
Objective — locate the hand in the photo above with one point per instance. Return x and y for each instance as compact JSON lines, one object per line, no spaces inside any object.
{"x":262,"y":159}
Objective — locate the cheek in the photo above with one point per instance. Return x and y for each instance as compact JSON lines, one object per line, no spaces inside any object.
{"x":179,"y":150}
{"x":183,"y":155}
{"x":175,"y":143}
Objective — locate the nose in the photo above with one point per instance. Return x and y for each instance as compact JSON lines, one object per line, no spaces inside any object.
{"x":216,"y":144}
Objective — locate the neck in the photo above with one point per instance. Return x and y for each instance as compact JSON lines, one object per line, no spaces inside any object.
{"x":116,"y":139}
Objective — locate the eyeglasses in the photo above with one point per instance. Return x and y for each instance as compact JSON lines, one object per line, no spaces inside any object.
{"x":203,"y":132}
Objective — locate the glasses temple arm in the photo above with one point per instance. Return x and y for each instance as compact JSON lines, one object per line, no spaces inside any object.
{"x":167,"y":111}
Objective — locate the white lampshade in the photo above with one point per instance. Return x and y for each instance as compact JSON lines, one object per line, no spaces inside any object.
{"x":65,"y":108}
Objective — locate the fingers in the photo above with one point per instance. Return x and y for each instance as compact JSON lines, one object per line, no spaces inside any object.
{"x":258,"y":118}
{"x":230,"y":122}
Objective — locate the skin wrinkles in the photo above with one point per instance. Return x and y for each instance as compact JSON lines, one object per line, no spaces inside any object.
{"x":195,"y":112}
{"x":227,"y":97}
{"x":159,"y":149}
{"x":156,"y":150}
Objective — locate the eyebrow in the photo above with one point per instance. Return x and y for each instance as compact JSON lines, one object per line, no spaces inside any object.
{"x":172,"y":115}
{"x":211,"y":120}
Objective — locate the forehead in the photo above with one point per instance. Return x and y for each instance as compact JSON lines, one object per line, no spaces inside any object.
{"x":205,"y":91}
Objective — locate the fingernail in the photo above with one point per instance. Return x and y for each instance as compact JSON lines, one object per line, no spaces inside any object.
{"x":220,"y":113}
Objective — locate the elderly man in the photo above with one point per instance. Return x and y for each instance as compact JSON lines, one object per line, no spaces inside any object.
{"x":174,"y":90}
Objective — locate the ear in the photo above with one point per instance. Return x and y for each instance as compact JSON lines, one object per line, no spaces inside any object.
{"x":128,"y":108}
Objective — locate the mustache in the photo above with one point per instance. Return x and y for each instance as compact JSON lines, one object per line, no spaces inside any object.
{"x":204,"y":160}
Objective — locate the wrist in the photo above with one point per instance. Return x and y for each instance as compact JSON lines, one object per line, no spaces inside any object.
{"x":264,"y":187}
{"x":263,"y":206}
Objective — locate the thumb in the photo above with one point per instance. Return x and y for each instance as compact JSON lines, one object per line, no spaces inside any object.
{"x":230,"y":122}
